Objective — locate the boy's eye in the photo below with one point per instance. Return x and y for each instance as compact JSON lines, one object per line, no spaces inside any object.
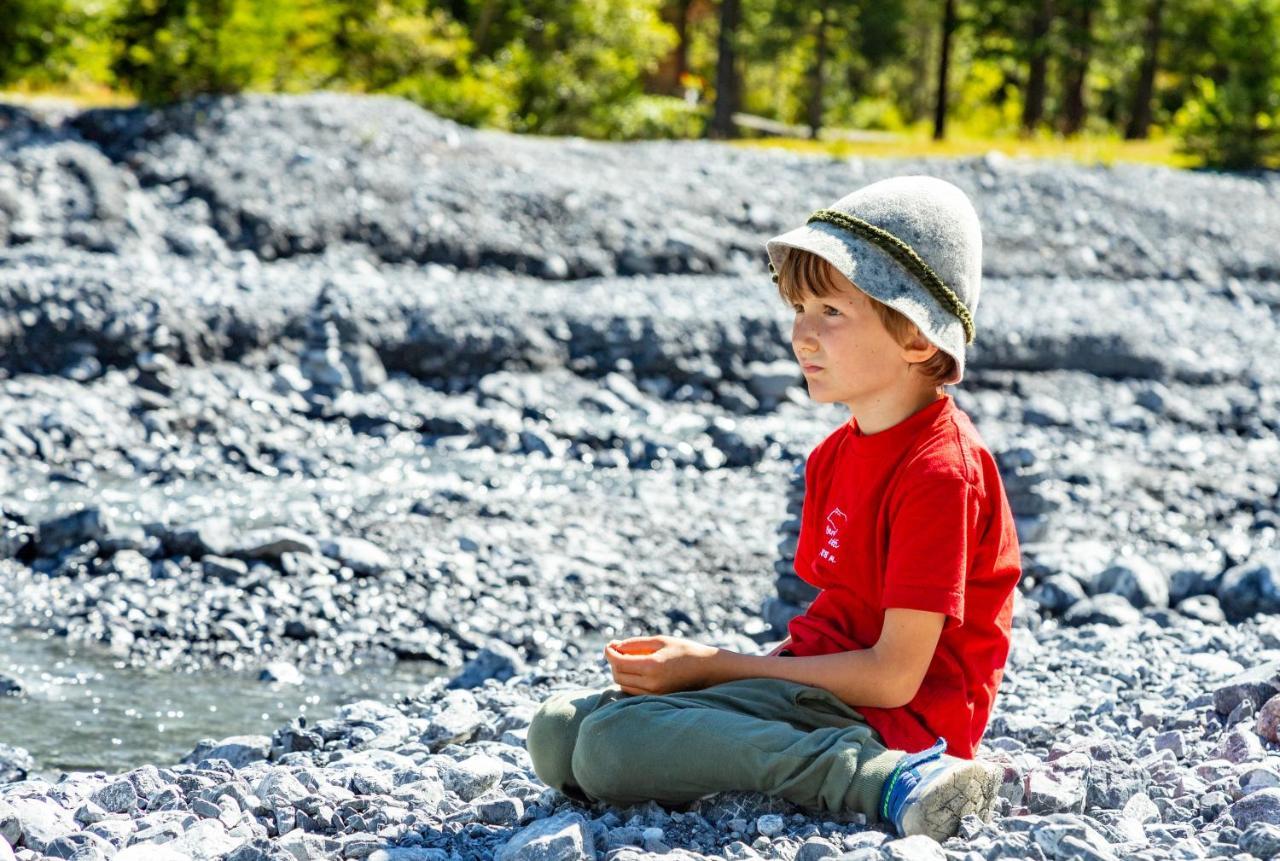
{"x":826,"y":308}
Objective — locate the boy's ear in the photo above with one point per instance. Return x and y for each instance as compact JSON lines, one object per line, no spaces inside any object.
{"x":919,"y":348}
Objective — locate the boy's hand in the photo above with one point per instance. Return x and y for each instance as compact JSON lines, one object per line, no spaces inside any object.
{"x":660,"y":665}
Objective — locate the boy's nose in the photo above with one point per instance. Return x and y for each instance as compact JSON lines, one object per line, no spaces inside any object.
{"x":802,"y":336}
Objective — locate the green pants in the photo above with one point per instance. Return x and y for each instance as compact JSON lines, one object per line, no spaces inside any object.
{"x":777,"y":737}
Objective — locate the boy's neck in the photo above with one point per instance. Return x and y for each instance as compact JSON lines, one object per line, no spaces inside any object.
{"x":883,"y":410}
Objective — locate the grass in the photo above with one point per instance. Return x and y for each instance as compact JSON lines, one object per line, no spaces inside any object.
{"x":919,"y":144}
{"x":81,"y":96}
{"x":916,"y":143}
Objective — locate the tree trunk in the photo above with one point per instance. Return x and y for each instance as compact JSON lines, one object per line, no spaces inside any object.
{"x":1073,"y":106}
{"x":817,"y":76}
{"x":682,"y":43}
{"x":1033,"y":107}
{"x":726,"y":71}
{"x":480,"y":37}
{"x":1140,"y":114}
{"x":944,"y":62}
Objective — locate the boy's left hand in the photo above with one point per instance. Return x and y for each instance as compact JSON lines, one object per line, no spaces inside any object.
{"x":661,"y":664}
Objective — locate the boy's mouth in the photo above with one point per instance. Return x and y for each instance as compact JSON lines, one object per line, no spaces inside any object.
{"x":810,"y":369}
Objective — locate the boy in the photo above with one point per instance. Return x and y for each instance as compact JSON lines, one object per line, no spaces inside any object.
{"x":905,"y":529}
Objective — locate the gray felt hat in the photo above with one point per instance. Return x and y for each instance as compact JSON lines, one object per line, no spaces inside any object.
{"x":911,"y":242}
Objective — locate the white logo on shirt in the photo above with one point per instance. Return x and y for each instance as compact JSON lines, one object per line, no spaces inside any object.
{"x":835,"y":522}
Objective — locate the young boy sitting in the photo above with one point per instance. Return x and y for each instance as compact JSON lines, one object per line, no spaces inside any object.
{"x":906,"y":531}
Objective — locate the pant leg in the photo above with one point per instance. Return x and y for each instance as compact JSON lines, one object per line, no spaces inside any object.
{"x":553,"y":733}
{"x":777,"y":737}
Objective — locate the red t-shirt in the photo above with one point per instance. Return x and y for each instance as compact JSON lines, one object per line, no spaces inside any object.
{"x":914,"y":516}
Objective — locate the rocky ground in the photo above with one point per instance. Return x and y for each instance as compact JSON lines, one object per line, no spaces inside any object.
{"x":289,"y":383}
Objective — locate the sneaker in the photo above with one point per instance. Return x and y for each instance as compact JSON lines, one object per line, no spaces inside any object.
{"x":929,"y":793}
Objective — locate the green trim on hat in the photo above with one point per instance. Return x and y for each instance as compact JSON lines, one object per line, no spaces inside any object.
{"x":907,"y":256}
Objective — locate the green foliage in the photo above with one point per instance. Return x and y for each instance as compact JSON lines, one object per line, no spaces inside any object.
{"x":49,"y":42}
{"x":1233,"y":119}
{"x":603,"y":68}
{"x":579,"y":59}
{"x":642,"y":117}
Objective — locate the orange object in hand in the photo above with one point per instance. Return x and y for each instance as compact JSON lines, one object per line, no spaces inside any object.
{"x":633,"y":648}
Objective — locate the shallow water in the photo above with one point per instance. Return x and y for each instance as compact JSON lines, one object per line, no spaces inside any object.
{"x":84,"y":710}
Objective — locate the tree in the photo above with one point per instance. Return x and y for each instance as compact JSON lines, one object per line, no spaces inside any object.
{"x":1140,"y":113}
{"x":1233,"y":119}
{"x":944,"y":64}
{"x":1033,"y":102}
{"x":817,"y":75}
{"x":1079,"y":45}
{"x":29,"y":33}
{"x":727,"y":81}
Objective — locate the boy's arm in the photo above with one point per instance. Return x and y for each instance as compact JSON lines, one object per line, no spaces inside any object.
{"x":885,"y":676}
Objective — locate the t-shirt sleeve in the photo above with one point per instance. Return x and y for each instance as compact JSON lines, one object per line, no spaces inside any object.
{"x":932,"y":541}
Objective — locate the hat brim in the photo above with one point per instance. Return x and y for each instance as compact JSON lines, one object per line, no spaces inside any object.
{"x":881,"y":277}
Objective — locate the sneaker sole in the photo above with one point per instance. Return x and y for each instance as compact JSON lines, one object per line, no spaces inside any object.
{"x":942,"y":803}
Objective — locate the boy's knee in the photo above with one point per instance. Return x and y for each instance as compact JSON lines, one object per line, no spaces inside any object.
{"x":605,"y":758}
{"x":550,"y":739}
{"x":553,"y":734}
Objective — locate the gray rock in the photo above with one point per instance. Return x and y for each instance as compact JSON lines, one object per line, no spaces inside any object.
{"x":915,"y":848}
{"x":1239,"y":744}
{"x":1173,"y":740}
{"x":564,"y":837}
{"x":1136,"y":580}
{"x":1057,"y":592}
{"x":1203,"y":607}
{"x":1260,"y":806}
{"x":15,"y":762}
{"x":361,"y":556}
{"x":70,"y":530}
{"x":471,"y":777}
{"x":224,"y":568}
{"x":117,"y":797}
{"x":496,"y":660}
{"x":769,"y":381}
{"x":34,"y":822}
{"x":500,"y":811}
{"x":1262,"y":840}
{"x":1113,"y":782}
{"x":381,"y":726}
{"x":281,"y":672}
{"x":272,"y":542}
{"x":239,"y":750}
{"x":82,"y":846}
{"x":815,"y":849}
{"x":1059,"y":787}
{"x":1256,"y":684}
{"x":770,"y":825}
{"x":209,"y":537}
{"x":455,"y":722}
{"x":1251,"y":587}
{"x":1105,"y":609}
{"x":1140,"y":808}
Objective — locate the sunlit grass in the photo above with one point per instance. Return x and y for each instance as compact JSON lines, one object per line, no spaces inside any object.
{"x":1084,"y":149}
{"x":80,"y":95}
{"x":916,"y":143}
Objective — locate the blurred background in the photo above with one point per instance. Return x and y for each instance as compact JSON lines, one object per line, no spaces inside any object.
{"x":1178,"y":82}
